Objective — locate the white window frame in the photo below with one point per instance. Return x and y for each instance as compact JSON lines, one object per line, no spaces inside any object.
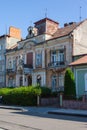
{"x":54,"y":82}
{"x":61,"y":55}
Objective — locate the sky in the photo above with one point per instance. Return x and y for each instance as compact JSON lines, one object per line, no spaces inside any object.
{"x":23,"y":13}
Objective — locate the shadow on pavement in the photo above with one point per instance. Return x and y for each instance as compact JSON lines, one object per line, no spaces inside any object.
{"x":53,"y":116}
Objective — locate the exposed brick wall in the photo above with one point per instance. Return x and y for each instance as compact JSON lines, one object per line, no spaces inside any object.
{"x":51,"y":27}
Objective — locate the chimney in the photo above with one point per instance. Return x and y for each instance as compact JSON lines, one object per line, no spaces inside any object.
{"x":46,"y":25}
{"x":15,"y":32}
{"x":72,"y":23}
{"x":67,"y":24}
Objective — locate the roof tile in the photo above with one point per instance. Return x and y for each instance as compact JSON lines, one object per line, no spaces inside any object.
{"x":80,"y":61}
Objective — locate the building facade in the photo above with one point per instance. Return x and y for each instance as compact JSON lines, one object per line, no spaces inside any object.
{"x":43,"y":56}
{"x":7,"y":41}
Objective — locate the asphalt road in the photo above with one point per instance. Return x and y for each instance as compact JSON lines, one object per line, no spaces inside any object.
{"x":39,"y":120}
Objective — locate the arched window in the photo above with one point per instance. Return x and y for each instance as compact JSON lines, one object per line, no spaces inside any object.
{"x":39,"y":80}
{"x":21,"y":81}
{"x":29,"y":80}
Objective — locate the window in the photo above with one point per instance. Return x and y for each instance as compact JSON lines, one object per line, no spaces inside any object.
{"x":38,"y":59}
{"x":57,"y":57}
{"x":11,"y":82}
{"x":61,"y":56}
{"x":1,"y":79}
{"x":54,"y":83}
{"x":14,"y":64}
{"x":1,"y":67}
{"x":0,"y":47}
{"x":61,"y":80}
{"x":53,"y":56}
{"x":9,"y":64}
{"x":0,"y":57}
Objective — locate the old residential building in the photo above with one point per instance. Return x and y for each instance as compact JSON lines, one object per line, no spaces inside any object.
{"x":45,"y":54}
{"x":6,"y":41}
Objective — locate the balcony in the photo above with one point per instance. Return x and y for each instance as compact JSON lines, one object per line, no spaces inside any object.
{"x":38,"y":65}
{"x":27,"y":69}
{"x":56,"y":64}
{"x":11,"y":71}
{"x":28,"y":66}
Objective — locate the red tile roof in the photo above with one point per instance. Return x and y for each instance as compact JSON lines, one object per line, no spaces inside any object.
{"x":65,"y":30}
{"x":80,"y":61}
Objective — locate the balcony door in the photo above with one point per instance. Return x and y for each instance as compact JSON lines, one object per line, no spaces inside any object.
{"x":53,"y":57}
{"x":30,"y":59}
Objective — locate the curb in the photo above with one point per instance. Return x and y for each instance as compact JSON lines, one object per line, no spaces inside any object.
{"x":13,"y":108}
{"x":68,"y":114}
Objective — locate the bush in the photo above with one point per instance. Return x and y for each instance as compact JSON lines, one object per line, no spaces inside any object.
{"x":20,"y":96}
{"x":45,"y":92}
{"x":54,"y":94}
{"x":4,"y":91}
{"x":24,"y":95}
{"x":69,"y":83}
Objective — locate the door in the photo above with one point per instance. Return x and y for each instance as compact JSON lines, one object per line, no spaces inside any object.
{"x":29,"y":80}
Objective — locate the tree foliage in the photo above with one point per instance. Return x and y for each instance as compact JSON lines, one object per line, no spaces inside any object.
{"x":69,"y":83}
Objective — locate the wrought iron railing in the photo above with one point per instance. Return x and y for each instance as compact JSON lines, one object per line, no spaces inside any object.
{"x":28,"y":66}
{"x":10,"y":71}
{"x":56,"y":64}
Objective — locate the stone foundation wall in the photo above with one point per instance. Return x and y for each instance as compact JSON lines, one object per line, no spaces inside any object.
{"x":49,"y":101}
{"x":71,"y":104}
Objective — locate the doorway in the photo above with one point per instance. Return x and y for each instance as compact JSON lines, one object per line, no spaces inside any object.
{"x":29,"y":80}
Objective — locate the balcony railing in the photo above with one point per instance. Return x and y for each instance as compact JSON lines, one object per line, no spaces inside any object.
{"x":8,"y":71}
{"x":38,"y":65}
{"x":56,"y":64}
{"x":27,"y":68}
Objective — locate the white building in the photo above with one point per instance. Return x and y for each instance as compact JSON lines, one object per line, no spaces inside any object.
{"x":6,"y":42}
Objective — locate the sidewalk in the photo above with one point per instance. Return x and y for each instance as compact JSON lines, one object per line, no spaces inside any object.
{"x":49,"y":110}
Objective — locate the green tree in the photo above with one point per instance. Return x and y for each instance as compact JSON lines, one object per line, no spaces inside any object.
{"x":69,"y":83}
